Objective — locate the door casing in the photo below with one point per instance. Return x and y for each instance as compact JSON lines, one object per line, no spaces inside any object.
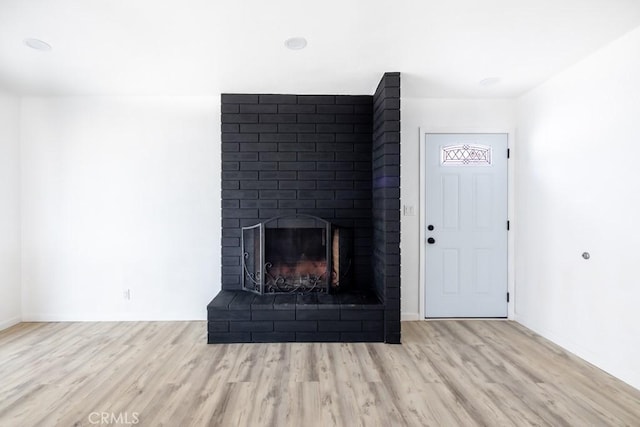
{"x":511,"y":305}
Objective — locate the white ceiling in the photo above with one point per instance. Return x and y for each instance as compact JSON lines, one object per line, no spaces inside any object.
{"x":204,"y":47}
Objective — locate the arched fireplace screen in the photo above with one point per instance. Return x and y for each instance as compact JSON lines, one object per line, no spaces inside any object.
{"x":290,"y":254}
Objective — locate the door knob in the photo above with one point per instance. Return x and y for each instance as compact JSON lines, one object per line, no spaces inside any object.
{"x":430,"y":227}
{"x":431,"y":240}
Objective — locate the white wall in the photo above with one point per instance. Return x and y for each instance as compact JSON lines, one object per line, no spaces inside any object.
{"x":120,"y":193}
{"x":435,"y":115}
{"x":577,"y":190}
{"x":10,"y":302}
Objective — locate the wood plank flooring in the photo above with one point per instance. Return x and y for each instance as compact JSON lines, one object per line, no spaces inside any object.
{"x":446,"y":373}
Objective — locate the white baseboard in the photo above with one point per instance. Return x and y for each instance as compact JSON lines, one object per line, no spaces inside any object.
{"x":405,"y":317}
{"x":9,"y":323}
{"x":569,"y":344}
{"x":115,"y":317}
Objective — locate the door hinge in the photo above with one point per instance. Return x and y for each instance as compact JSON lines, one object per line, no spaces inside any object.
{"x":508,"y":153}
{"x":508,"y":225}
{"x":507,"y":296}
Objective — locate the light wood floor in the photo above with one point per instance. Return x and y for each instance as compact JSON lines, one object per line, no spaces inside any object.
{"x":446,"y":373}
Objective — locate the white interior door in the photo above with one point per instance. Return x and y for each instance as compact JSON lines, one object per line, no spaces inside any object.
{"x":466,"y":220}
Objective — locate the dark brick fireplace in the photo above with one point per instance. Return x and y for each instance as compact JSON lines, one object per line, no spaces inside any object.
{"x":335,"y":157}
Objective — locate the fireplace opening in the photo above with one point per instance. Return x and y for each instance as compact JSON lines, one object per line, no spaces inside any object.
{"x":295,"y":258}
{"x":295,"y":254}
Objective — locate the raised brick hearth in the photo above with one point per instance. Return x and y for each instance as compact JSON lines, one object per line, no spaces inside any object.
{"x":336,"y":157}
{"x":239,"y":316}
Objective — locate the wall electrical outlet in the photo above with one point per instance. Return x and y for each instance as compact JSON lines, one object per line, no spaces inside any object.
{"x":126,"y":294}
{"x":408,"y":210}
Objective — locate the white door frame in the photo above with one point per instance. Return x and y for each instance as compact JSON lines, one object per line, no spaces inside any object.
{"x":510,"y":208}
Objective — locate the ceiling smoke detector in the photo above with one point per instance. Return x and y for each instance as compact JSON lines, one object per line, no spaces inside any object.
{"x":296,"y":43}
{"x":38,"y":44}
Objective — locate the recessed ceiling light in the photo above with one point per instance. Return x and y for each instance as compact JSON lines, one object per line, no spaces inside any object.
{"x":489,"y":81}
{"x":38,"y":44}
{"x":296,"y":43}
